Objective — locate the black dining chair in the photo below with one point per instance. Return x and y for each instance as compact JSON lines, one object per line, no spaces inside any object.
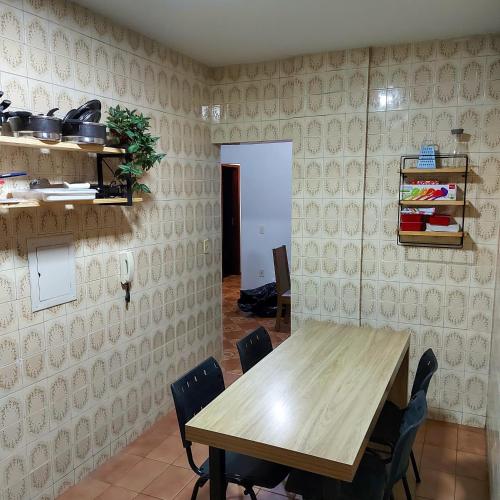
{"x":376,"y":476}
{"x":386,"y":429}
{"x":254,"y":347}
{"x":191,"y":393}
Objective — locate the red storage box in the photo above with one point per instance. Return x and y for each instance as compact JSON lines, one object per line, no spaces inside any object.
{"x":439,"y":220}
{"x":412,"y":226}
{"x":412,"y":218}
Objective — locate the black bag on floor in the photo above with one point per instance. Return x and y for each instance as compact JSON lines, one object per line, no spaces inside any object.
{"x":261,"y":301}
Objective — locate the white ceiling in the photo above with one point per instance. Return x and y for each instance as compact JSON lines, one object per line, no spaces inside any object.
{"x":219,"y":32}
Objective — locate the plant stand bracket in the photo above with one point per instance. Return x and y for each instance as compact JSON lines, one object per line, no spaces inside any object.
{"x":100,"y":175}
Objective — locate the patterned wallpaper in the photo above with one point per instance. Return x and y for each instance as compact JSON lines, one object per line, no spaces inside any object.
{"x":351,"y":114}
{"x":79,"y":381}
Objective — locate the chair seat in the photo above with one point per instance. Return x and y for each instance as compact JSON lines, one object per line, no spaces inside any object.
{"x":386,"y":429}
{"x":368,"y":483}
{"x":243,"y":469}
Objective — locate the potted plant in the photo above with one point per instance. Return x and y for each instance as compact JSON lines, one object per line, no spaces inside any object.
{"x":130,"y":130}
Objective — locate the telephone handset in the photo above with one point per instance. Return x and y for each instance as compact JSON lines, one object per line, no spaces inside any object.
{"x":127,"y":267}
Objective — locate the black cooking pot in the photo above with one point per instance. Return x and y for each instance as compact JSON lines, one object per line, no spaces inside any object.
{"x":83,"y":132}
{"x":46,"y":127}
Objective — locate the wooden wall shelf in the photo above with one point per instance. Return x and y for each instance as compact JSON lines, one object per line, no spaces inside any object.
{"x":97,"y":201}
{"x":438,"y":170}
{"x":433,"y":203}
{"x":28,"y":142}
{"x":433,"y":234}
{"x":433,"y":239}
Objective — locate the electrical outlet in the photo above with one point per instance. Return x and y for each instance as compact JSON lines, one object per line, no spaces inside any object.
{"x":261,"y":229}
{"x":261,"y":273}
{"x":205,"y":246}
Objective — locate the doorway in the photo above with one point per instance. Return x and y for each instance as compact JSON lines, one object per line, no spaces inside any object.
{"x":258,"y":177}
{"x":231,"y":259}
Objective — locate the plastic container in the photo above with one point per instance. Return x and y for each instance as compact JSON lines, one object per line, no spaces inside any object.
{"x":439,"y":220}
{"x":412,"y":218}
{"x":412,"y":226}
{"x":459,"y":146}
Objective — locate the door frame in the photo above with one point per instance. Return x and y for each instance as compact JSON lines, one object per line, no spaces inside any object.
{"x":236,"y":168}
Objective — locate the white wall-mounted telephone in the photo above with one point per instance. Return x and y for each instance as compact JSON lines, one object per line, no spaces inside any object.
{"x":127,"y":266}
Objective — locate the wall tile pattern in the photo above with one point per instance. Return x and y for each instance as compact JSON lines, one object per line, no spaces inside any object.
{"x":351,"y":114}
{"x":81,"y":380}
{"x":493,"y":413}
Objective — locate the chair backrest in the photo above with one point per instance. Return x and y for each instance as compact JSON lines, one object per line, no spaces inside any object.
{"x":281,"y":269}
{"x":427,"y":366}
{"x":195,"y":390}
{"x":252,"y":348}
{"x":413,"y":418}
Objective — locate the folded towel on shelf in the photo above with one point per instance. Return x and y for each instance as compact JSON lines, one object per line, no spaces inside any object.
{"x":451,"y":228}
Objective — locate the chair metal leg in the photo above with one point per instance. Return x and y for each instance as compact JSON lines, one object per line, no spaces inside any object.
{"x":249,"y":491}
{"x":279,"y":313}
{"x":407,"y":488}
{"x":196,"y":488}
{"x":415,"y":468}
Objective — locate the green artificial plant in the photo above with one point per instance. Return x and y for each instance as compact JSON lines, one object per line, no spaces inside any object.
{"x":130,"y":130}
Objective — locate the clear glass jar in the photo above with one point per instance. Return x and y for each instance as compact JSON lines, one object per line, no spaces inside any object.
{"x":459,"y":147}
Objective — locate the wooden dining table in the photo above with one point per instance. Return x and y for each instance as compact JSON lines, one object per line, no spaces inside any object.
{"x":311,"y":404}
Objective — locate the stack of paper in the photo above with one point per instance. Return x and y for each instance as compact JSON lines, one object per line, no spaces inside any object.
{"x":56,"y":194}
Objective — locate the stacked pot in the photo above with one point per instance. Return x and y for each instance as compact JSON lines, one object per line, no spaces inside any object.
{"x":80,"y":125}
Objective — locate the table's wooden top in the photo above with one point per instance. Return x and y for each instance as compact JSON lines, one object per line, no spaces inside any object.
{"x":311,"y":403}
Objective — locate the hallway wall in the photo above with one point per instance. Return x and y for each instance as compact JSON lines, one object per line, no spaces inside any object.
{"x":81,"y":380}
{"x":265,"y":196}
{"x":351,"y":114}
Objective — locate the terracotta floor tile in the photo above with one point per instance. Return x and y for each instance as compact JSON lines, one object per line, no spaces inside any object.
{"x":141,"y":474}
{"x":169,"y":483}
{"x":472,"y":465}
{"x":186,"y":492}
{"x":418,"y":449}
{"x":421,"y":433}
{"x":168,"y":450}
{"x":437,"y":458}
{"x":200,"y":454}
{"x":165,"y":427}
{"x":88,"y":489}
{"x":116,"y":493}
{"x":141,"y":496}
{"x":472,"y":440}
{"x":441,"y":434}
{"x":436,"y":485}
{"x":229,"y":378}
{"x":235,"y":492}
{"x":279,"y":490}
{"x":143,"y":444}
{"x":467,"y":488}
{"x":116,"y":467}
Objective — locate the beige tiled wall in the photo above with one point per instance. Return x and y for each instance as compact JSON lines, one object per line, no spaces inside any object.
{"x":493,"y":416}
{"x":79,"y":381}
{"x":351,"y":114}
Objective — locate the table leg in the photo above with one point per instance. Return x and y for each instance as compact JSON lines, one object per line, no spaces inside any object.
{"x":399,"y":390}
{"x":217,"y":465}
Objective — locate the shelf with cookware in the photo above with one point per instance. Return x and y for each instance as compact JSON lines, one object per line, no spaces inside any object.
{"x":80,"y":132}
{"x":433,"y":200}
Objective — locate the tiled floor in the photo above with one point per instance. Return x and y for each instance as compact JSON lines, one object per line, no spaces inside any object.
{"x":452,"y":458}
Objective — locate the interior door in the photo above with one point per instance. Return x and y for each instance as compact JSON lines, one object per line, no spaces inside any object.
{"x":230,"y":219}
